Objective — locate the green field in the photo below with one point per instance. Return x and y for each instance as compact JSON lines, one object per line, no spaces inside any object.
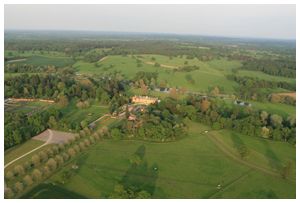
{"x":210,"y":74}
{"x":73,"y":114}
{"x":38,"y":60}
{"x":192,"y":167}
{"x":264,"y":76}
{"x":21,"y":149}
{"x":277,"y":108}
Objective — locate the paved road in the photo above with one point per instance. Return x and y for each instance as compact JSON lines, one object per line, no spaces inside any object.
{"x":20,"y":157}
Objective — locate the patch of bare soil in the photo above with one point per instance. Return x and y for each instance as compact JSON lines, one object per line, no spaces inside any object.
{"x":54,"y":137}
{"x":289,"y":94}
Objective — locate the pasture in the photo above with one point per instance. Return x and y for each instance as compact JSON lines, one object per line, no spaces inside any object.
{"x":38,"y":60}
{"x":194,"y":171}
{"x":263,"y":76}
{"x":209,"y":74}
{"x":277,"y":108}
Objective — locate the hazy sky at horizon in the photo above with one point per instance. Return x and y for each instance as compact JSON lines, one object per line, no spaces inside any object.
{"x":264,"y":21}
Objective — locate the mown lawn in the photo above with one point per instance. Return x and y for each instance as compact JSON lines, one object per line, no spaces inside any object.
{"x":192,"y":167}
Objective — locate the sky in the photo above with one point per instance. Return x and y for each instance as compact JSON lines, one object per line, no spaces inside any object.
{"x":256,"y":21}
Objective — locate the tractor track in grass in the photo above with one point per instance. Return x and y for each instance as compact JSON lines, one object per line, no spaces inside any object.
{"x":241,"y":177}
{"x":224,"y":148}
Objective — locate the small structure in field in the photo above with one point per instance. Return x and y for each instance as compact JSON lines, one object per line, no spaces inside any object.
{"x":144,"y":100}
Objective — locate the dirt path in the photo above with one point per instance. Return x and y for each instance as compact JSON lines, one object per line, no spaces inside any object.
{"x":161,"y":65}
{"x":16,"y":60}
{"x":103,"y":59}
{"x":228,"y":153}
{"x":20,"y":157}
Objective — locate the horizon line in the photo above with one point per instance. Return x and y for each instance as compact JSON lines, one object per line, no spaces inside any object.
{"x":153,"y":33}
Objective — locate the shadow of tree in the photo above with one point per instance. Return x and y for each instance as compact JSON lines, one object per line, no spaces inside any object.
{"x":274,"y":161}
{"x":239,"y":145}
{"x":141,"y":176}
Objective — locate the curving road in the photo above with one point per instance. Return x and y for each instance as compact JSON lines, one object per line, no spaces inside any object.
{"x":20,"y":157}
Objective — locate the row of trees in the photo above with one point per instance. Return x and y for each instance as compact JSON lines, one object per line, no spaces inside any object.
{"x":43,"y":164}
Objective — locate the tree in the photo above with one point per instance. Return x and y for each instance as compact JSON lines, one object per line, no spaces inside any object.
{"x":71,"y":152}
{"x":87,"y":142}
{"x":173,"y":93}
{"x":63,"y":100}
{"x":19,"y":187}
{"x":276,"y":120}
{"x":55,"y":149}
{"x":265,"y":132}
{"x":143,"y":195}
{"x":27,"y":165}
{"x":8,"y":193}
{"x":52,"y":123}
{"x":50,"y":152}
{"x":264,"y":116}
{"x":83,"y":124}
{"x":215,"y":91}
{"x":65,"y":156}
{"x":9,"y":175}
{"x":204,"y":105}
{"x":35,"y":159}
{"x":43,"y":156}
{"x":52,"y":164}
{"x":286,"y":133}
{"x":36,"y":175}
{"x":46,"y":171}
{"x":19,"y":170}
{"x":61,"y":147}
{"x":59,"y":160}
{"x":27,"y":180}
{"x":76,"y":148}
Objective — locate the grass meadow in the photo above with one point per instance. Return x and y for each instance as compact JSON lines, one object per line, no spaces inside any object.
{"x":192,"y":167}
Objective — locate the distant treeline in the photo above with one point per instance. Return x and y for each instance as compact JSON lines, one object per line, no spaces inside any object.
{"x":285,"y":68}
{"x":251,"y":88}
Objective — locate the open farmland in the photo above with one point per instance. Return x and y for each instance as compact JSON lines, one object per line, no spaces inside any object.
{"x":136,"y":116}
{"x":47,"y":60}
{"x":209,"y":74}
{"x":200,"y":165}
